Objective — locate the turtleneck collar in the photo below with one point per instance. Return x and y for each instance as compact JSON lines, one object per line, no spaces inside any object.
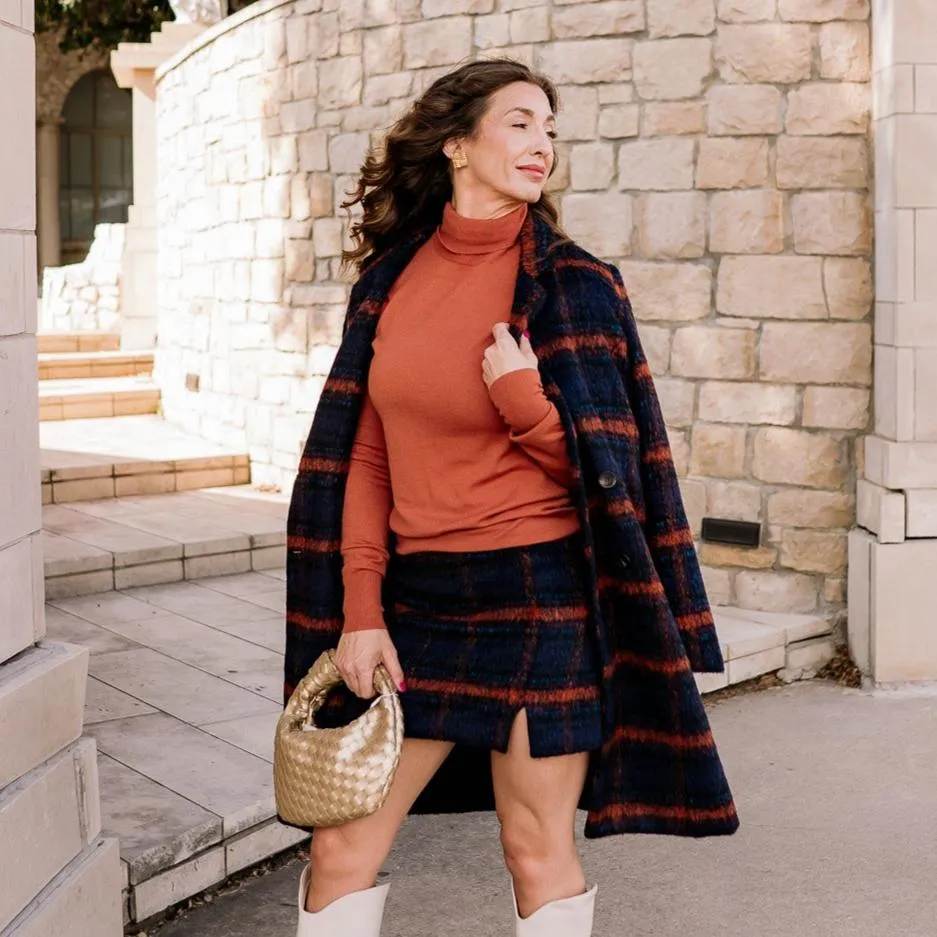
{"x":461,"y":235}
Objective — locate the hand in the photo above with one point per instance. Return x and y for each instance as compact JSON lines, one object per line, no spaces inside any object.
{"x":358,"y":654}
{"x":505,"y":355}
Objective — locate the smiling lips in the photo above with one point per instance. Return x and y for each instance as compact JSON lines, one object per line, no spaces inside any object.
{"x":533,"y":170}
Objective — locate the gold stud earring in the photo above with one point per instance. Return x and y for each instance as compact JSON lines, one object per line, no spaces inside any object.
{"x":459,"y":161}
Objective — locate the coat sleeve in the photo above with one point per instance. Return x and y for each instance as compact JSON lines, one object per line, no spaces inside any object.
{"x":666,"y":528}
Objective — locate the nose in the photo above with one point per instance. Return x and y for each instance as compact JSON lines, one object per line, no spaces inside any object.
{"x":544,"y":146}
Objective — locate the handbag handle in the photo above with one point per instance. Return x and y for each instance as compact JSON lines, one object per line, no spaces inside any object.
{"x":324,"y":676}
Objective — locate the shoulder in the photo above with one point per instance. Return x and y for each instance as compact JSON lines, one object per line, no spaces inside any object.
{"x":590,"y":287}
{"x":572,"y":265}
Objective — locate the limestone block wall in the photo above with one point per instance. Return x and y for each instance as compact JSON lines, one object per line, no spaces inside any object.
{"x":86,"y":296}
{"x":716,"y":150}
{"x":57,"y":875}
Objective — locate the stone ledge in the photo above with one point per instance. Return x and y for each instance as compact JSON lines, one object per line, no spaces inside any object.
{"x":209,"y":868}
{"x":755,"y":643}
{"x":42,"y":697}
{"x":98,"y":397}
{"x":83,"y":900}
{"x":89,"y":459}
{"x":97,"y":546}
{"x":62,"y":342}
{"x":72,"y":365}
{"x":47,"y":818}
{"x":207,"y":37}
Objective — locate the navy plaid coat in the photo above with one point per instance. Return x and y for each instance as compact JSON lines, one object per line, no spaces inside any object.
{"x":658,"y":770}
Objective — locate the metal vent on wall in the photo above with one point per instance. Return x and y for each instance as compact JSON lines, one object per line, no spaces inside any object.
{"x":736,"y":533}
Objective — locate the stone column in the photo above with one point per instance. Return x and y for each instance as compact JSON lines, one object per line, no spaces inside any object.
{"x":133,"y":65}
{"x":57,"y":875}
{"x":893,"y":551}
{"x":47,"y":193}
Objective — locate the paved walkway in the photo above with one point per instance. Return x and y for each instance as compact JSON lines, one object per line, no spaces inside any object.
{"x":837,"y":792}
{"x":185,"y":689}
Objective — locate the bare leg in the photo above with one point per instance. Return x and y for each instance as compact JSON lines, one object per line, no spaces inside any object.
{"x":347,"y":858}
{"x":536,"y":801}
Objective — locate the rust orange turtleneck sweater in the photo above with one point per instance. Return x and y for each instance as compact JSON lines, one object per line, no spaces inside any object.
{"x":439,"y":458}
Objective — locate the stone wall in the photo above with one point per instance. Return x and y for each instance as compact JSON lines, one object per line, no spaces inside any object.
{"x":57,"y":875}
{"x":893,"y":552}
{"x":86,"y":296}
{"x":716,"y":150}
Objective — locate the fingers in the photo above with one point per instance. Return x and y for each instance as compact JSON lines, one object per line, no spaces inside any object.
{"x":502,"y":334}
{"x":392,"y":663}
{"x":504,"y":341}
{"x":359,"y":679}
{"x":487,"y":375}
{"x":357,"y":657}
{"x":526,"y":349}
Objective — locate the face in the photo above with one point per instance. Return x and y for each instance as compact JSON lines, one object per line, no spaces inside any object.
{"x":511,"y":156}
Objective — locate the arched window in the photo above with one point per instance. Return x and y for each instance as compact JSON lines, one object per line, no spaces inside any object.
{"x":96,"y":161}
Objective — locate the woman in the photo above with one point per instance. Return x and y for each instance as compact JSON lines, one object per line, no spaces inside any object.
{"x":487,"y":504}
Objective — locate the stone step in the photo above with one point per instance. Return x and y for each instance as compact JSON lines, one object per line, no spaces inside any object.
{"x":83,"y":399}
{"x":806,"y":658}
{"x":83,"y":900}
{"x":42,"y":697}
{"x":61,"y":342}
{"x":47,"y":817}
{"x":116,"y":543}
{"x":72,"y":365}
{"x":756,"y":643}
{"x":84,"y":460}
{"x":183,"y":698}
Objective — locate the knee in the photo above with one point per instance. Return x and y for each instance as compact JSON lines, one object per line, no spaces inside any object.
{"x":336,"y":854}
{"x":529,"y":847}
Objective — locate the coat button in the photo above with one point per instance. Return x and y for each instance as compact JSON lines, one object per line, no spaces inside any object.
{"x":607,"y":480}
{"x":624,"y":561}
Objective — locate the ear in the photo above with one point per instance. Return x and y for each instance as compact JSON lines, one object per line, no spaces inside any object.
{"x":450,"y":146}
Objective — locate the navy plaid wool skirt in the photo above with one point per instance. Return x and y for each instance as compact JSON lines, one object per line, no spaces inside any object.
{"x":483,"y":634}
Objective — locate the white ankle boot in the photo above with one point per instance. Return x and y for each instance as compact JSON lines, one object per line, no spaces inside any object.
{"x":358,"y":914}
{"x":565,"y":917}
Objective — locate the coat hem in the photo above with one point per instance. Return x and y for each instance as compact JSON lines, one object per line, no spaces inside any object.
{"x":663,"y":826}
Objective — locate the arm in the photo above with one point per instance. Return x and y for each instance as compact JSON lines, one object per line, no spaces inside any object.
{"x":533,"y":421}
{"x":365,"y":513}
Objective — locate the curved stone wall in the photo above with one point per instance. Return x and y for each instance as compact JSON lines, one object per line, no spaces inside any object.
{"x":716,"y":150}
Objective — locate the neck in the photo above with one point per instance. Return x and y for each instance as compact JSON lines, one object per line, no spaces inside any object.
{"x":460,"y":234}
{"x":482,"y":205}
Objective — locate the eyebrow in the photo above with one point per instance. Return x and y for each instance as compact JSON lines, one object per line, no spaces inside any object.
{"x":530,"y":113}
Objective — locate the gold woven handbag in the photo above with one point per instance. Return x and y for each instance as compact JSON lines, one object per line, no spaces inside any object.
{"x":324,"y":777}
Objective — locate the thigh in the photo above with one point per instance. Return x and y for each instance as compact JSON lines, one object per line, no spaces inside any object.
{"x":539,"y":794}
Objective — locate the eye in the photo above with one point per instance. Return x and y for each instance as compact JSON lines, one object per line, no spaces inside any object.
{"x":550,"y":133}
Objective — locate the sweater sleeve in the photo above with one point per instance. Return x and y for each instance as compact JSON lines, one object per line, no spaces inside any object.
{"x":365,"y":514}
{"x":533,"y":421}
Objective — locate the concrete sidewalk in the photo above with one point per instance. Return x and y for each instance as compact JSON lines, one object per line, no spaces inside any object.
{"x":837,"y":793}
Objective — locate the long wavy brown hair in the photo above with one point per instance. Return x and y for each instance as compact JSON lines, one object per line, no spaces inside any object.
{"x":405,"y":186}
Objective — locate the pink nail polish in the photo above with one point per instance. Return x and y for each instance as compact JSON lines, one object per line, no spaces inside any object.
{"x":403,"y":686}
{"x":526,"y":334}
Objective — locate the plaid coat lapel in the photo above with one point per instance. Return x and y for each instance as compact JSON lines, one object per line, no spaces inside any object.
{"x":658,"y":770}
